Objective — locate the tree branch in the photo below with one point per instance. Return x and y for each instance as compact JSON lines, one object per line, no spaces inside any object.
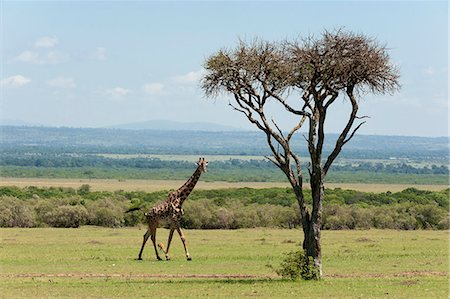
{"x":353,"y":133}
{"x":296,"y":128}
{"x":273,"y":161}
{"x":246,"y":111}
{"x":279,"y":130}
{"x":282,"y":101}
{"x":334,"y":96}
{"x":342,"y":139}
{"x":320,"y":133}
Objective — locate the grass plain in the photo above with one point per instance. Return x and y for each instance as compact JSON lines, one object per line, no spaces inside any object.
{"x":158,"y":185}
{"x":100,"y":263}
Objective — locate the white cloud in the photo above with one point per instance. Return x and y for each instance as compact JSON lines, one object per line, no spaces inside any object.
{"x":46,"y":42}
{"x":29,"y":57}
{"x":61,"y":82}
{"x":154,"y":88}
{"x":52,"y":57}
{"x":100,"y":54}
{"x":118,"y":92}
{"x":43,"y":54}
{"x":15,"y":81}
{"x":431,"y":71}
{"x":190,"y":77}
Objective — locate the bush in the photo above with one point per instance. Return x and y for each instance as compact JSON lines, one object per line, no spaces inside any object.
{"x":338,"y":217}
{"x":444,"y":223}
{"x":133,"y":218}
{"x":106,"y":212}
{"x":298,"y":265}
{"x":206,"y":214}
{"x":429,"y":216}
{"x":43,"y":210}
{"x":362,"y":217}
{"x":67,"y":216}
{"x":224,"y":208}
{"x":406,"y":222}
{"x":197,"y":215}
{"x":84,"y":189}
{"x":15,"y":213}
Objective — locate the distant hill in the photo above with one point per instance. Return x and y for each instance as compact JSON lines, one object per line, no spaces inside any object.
{"x":208,"y":142}
{"x":16,"y":122}
{"x":168,"y":125}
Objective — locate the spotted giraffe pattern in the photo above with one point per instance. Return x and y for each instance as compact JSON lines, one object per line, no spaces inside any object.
{"x":171,"y":210}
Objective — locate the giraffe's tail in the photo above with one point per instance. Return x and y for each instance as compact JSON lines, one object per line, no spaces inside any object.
{"x":161,"y":247}
{"x":133,"y":209}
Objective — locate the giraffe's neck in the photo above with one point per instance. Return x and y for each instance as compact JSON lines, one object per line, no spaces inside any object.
{"x":186,"y":189}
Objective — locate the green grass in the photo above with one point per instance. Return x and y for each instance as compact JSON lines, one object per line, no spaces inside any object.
{"x":356,"y":264}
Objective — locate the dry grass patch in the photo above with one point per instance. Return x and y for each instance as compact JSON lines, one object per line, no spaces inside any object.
{"x":158,"y":185}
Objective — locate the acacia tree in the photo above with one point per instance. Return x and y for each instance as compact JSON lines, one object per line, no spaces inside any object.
{"x":305,"y":77}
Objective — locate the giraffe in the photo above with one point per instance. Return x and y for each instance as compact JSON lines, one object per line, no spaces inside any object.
{"x":171,"y":210}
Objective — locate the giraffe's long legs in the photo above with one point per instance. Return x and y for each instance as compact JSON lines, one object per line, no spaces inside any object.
{"x":183,"y":239}
{"x":168,"y":243}
{"x":146,"y":235}
{"x":153,"y":234}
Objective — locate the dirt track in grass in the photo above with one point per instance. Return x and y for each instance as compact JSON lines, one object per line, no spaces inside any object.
{"x":218,"y":276}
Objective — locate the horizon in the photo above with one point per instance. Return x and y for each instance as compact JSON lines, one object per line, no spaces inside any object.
{"x":142,"y":61}
{"x":236,"y":130}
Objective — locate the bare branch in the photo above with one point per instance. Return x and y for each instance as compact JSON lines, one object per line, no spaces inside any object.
{"x":296,"y":128}
{"x":281,"y":161}
{"x":271,"y":133}
{"x":332,"y":99}
{"x":273,"y":161}
{"x":353,"y":133}
{"x":307,"y":139}
{"x":342,"y":137}
{"x":278,"y":128}
{"x":247,"y":112}
{"x":312,"y":134}
{"x":298,"y":165}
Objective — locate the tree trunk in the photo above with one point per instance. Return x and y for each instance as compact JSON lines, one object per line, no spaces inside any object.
{"x":312,"y":226}
{"x":311,"y":223}
{"x":311,"y":244}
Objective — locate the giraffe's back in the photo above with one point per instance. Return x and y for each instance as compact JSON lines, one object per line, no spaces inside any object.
{"x":170,"y":210}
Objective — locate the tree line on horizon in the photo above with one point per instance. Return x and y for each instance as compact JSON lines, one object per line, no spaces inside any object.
{"x":78,"y":161}
{"x":26,"y":140}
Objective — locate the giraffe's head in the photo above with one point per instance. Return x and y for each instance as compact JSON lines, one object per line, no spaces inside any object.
{"x":202,"y":164}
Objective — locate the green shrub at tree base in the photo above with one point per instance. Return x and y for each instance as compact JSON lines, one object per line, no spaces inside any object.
{"x":298,"y":265}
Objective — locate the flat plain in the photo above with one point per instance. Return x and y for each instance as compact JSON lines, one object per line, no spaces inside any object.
{"x":93,"y":262}
{"x":158,"y":185}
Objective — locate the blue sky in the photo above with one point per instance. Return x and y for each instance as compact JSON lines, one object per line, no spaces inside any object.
{"x":94,"y":64}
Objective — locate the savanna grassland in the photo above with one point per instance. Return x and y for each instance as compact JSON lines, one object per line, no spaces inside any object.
{"x":100,"y":263}
{"x":87,"y":178}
